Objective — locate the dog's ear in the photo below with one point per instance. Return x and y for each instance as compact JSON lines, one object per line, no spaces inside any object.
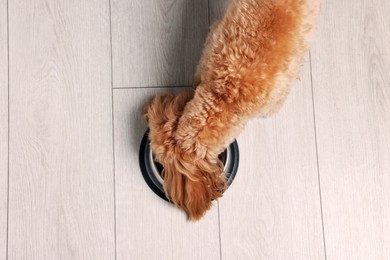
{"x":198,"y":198}
{"x":192,"y":186}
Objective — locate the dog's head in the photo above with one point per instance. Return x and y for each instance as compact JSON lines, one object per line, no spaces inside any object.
{"x":190,"y":183}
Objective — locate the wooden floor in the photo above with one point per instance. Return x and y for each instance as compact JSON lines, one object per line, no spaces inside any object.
{"x":313,"y":182}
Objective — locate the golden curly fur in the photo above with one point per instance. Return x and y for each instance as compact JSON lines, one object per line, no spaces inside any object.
{"x":249,"y":61}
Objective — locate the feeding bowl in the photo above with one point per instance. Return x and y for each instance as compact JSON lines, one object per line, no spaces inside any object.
{"x":152,"y":170}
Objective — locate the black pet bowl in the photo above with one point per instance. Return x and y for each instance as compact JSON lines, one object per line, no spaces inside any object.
{"x":151,"y":170}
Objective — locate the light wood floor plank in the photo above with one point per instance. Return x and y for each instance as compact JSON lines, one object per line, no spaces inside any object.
{"x":147,"y":226}
{"x":157,"y":43}
{"x":3,"y":128}
{"x":351,"y":75}
{"x":61,"y":149}
{"x":272,"y":210}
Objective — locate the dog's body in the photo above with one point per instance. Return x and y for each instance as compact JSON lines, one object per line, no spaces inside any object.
{"x":248,"y":64}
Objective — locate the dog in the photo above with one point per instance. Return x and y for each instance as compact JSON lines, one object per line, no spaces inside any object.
{"x":249,"y":61}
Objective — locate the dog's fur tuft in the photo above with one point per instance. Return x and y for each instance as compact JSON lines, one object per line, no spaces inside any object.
{"x":249,"y":61}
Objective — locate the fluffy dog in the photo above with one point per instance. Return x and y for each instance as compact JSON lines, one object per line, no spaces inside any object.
{"x":248,"y":64}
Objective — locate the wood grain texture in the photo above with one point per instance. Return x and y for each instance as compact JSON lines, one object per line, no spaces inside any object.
{"x":157,"y":43}
{"x":272,"y":210}
{"x":217,"y":9}
{"x":147,"y":226}
{"x":3,"y":128}
{"x":351,"y":75}
{"x":61,"y":148}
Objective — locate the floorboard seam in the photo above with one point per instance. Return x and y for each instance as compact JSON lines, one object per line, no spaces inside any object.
{"x":220,"y":237}
{"x":318,"y":164}
{"x":113,"y":129}
{"x":8,"y":163}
